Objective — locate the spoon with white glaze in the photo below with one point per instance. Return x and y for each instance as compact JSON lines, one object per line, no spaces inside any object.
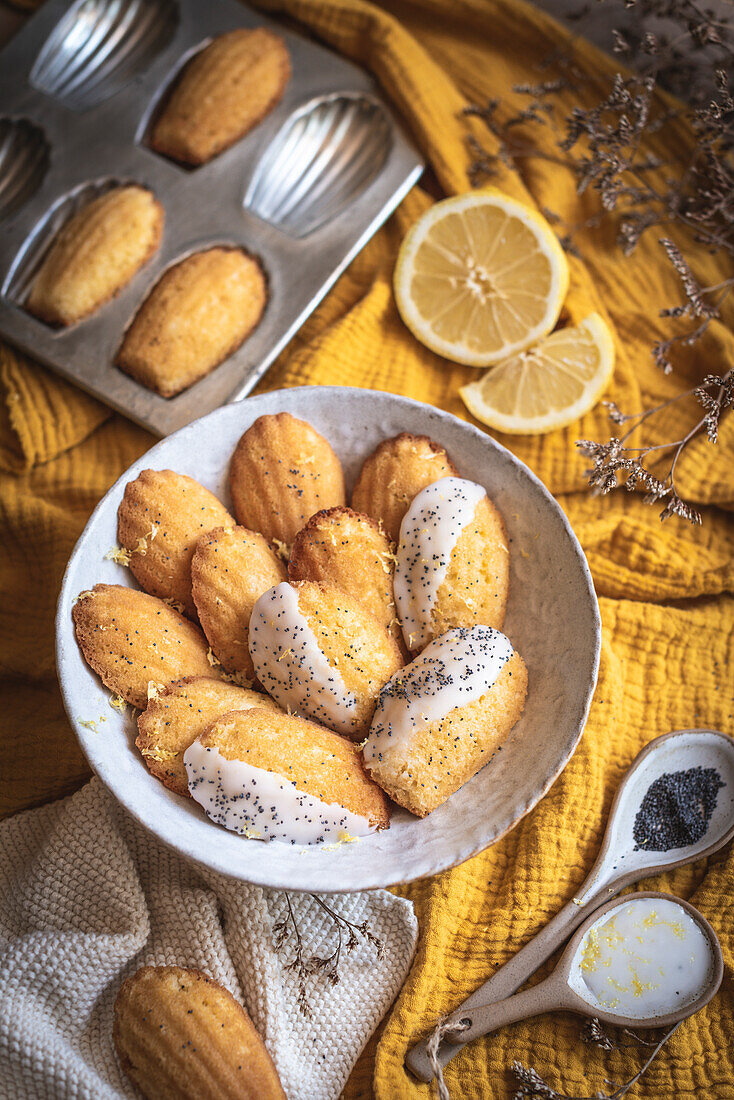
{"x":644,"y":960}
{"x":620,"y":863}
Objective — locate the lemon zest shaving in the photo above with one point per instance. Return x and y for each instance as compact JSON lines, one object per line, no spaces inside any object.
{"x":161,"y":756}
{"x":121,"y":556}
{"x":174,"y":604}
{"x":155,"y":689}
{"x":282,"y":549}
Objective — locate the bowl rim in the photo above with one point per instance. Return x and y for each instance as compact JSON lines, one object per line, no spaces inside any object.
{"x":373,"y":880}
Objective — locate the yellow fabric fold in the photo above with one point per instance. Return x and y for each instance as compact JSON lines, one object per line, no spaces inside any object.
{"x":667,"y":592}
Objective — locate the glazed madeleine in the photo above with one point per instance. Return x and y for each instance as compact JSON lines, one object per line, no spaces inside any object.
{"x":96,"y":254}
{"x":179,"y":1035}
{"x":442,"y":717}
{"x":453,"y":562}
{"x":344,"y":548}
{"x":131,"y":639}
{"x":394,"y":473}
{"x":222,"y":93}
{"x":319,"y":652}
{"x":198,"y":313}
{"x":180,"y":713}
{"x":159,"y":522}
{"x":282,"y":471}
{"x":231,"y":569}
{"x":279,"y":777}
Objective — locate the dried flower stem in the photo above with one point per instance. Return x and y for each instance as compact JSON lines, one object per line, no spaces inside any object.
{"x":532,"y":1085}
{"x":615,"y":464}
{"x":327,"y":965}
{"x":612,"y":148}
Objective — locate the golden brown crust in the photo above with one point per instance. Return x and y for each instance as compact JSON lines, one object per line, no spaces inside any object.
{"x":96,"y":254}
{"x":131,"y":639}
{"x":477,"y":580}
{"x":181,"y":712}
{"x":394,"y":473}
{"x":322,"y":763}
{"x":160,"y":519}
{"x":354,"y":642}
{"x":222,"y":93}
{"x":346,"y":548}
{"x":178,"y":1034}
{"x":231,"y":569}
{"x":444,"y":755}
{"x":195,"y":317}
{"x":283,"y":471}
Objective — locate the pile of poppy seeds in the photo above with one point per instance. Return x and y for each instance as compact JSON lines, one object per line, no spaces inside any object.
{"x":676,"y":809}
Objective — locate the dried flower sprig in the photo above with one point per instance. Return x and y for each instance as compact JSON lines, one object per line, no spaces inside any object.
{"x":348,"y":936}
{"x":615,"y":464}
{"x":613,"y":148}
{"x":531,"y":1084}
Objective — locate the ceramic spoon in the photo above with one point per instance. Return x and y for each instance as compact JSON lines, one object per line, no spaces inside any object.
{"x":567,"y":988}
{"x":620,"y":862}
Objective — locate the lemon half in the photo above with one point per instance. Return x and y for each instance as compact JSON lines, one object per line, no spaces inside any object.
{"x":480,"y":277}
{"x":549,"y":385}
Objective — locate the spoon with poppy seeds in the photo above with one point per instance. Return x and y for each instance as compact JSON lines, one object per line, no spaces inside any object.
{"x":675,"y":805}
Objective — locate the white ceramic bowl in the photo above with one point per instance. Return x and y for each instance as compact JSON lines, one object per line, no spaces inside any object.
{"x":552,"y":619}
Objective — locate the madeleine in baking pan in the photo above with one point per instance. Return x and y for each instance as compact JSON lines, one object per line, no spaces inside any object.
{"x":222,"y":93}
{"x":96,"y":254}
{"x":197,"y":314}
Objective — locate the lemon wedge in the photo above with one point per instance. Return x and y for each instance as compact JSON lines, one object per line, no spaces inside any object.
{"x":549,"y":385}
{"x":479,"y":277}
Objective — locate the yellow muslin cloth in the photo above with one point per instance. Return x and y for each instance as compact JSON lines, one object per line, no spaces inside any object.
{"x":665,"y":591}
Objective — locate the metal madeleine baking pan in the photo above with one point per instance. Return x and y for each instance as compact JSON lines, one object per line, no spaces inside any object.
{"x":304,"y":190}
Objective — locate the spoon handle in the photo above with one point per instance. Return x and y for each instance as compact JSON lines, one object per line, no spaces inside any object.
{"x":486,"y":1018}
{"x":508,"y":979}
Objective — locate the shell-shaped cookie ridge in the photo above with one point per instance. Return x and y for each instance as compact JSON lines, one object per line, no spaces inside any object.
{"x":282,"y":472}
{"x":231,"y":568}
{"x":160,"y":520}
{"x":394,"y":473}
{"x":179,"y":1033}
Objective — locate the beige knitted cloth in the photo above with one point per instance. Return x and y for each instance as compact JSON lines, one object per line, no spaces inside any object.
{"x":87,"y":896}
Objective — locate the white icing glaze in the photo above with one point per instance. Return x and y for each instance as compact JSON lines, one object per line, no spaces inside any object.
{"x":428,"y":534}
{"x":644,"y":958}
{"x":263,"y":805}
{"x":291,"y":665}
{"x":455,"y":669}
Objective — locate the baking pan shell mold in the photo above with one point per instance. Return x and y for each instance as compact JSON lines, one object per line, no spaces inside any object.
{"x":303,"y":190}
{"x":322,"y":158}
{"x":24,"y":157}
{"x":99,"y":45}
